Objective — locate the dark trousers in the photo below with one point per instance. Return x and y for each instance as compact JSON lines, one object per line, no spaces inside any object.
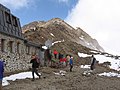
{"x":55,"y":56}
{"x":34,"y":70}
{"x":71,"y":66}
{"x":92,"y":67}
{"x":0,"y":84}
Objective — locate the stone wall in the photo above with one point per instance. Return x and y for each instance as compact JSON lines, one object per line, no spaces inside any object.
{"x":14,"y":49}
{"x":19,"y":57}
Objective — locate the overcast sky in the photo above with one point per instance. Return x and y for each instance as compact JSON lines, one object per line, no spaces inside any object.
{"x":99,"y":18}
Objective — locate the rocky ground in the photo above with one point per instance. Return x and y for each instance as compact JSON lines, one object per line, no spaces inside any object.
{"x":71,"y":81}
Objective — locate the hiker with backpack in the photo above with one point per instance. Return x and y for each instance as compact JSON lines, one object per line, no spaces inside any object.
{"x":93,"y":62}
{"x":70,"y":59}
{"x":71,"y":63}
{"x":47,"y":57}
{"x":35,"y":66}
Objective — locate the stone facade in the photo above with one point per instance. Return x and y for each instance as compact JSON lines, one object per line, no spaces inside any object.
{"x":14,"y":49}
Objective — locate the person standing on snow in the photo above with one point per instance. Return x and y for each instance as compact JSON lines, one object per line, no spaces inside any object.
{"x":35,"y":66}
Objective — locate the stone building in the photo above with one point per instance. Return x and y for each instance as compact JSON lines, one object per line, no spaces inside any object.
{"x":14,"y":49}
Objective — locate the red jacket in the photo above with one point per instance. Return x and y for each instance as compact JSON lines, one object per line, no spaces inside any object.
{"x":63,"y":60}
{"x":55,"y":52}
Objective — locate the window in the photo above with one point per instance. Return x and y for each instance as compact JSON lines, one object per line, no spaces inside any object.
{"x":28,"y":49}
{"x":2,"y":45}
{"x":14,"y":20}
{"x":18,"y":47}
{"x":11,"y":46}
{"x":7,"y":16}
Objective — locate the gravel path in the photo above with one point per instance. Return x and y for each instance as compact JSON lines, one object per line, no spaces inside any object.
{"x":71,"y":81}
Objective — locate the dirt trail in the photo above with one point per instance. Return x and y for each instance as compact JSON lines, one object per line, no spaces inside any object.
{"x":71,"y":81}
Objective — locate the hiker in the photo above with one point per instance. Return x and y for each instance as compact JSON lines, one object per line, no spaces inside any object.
{"x":70,"y":62}
{"x":35,"y":66}
{"x":60,"y":56}
{"x":47,"y":56}
{"x":93,"y":62}
{"x":1,"y":72}
{"x":55,"y":54}
{"x":64,"y":61}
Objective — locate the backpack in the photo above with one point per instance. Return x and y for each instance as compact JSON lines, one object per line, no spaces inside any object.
{"x":94,"y":61}
{"x":37,"y":61}
{"x":36,"y":64}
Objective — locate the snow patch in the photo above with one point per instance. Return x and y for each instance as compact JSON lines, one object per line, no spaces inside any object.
{"x":57,"y":42}
{"x":81,"y":38}
{"x":110,"y":74}
{"x":93,"y":51}
{"x":14,"y":77}
{"x":52,"y":34}
{"x":61,"y":72}
{"x":85,"y":66}
{"x":115,"y":64}
{"x":44,"y":47}
{"x":83,"y":55}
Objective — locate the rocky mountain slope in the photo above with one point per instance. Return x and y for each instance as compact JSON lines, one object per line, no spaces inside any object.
{"x":70,"y":40}
{"x":57,"y":29}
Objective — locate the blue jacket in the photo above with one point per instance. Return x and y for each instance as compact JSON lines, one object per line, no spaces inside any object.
{"x":71,"y":62}
{"x":1,"y":69}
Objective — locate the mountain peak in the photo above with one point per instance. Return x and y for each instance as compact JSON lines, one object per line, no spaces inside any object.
{"x":58,"y":30}
{"x":56,"y":19}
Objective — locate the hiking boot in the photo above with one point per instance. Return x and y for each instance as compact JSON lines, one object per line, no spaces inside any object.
{"x":39,"y":77}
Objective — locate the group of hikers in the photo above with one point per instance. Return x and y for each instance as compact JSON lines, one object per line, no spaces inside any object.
{"x":63,"y":60}
{"x":55,"y":57}
{"x":48,"y":58}
{"x":48,"y":61}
